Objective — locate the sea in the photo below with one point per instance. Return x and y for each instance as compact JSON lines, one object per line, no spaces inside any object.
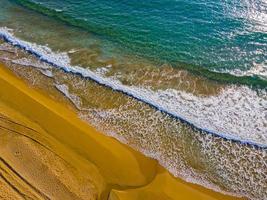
{"x":183,"y":82}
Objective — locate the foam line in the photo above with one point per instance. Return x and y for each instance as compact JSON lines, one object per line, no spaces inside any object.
{"x":62,"y":62}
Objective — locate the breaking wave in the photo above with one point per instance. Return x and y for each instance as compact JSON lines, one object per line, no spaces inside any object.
{"x":237,"y":113}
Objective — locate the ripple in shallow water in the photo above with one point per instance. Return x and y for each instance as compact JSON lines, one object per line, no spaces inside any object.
{"x":185,"y":151}
{"x":236,"y":112}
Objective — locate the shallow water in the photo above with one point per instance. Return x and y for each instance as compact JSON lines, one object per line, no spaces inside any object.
{"x":195,"y":156}
{"x":205,"y":129}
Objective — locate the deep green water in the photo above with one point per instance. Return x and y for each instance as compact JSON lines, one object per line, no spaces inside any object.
{"x":224,"y":36}
{"x":208,"y":132}
{"x":131,"y":40}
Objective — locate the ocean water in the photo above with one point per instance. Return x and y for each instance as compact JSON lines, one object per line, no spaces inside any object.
{"x":184,"y":82}
{"x":224,"y":36}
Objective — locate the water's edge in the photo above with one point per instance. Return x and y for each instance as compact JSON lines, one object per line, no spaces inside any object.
{"x":85,"y":73}
{"x":254,"y":81}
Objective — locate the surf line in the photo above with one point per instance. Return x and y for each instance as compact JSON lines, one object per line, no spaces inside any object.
{"x":9,"y":38}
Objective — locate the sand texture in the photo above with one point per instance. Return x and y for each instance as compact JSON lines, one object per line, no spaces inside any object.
{"x":47,"y":152}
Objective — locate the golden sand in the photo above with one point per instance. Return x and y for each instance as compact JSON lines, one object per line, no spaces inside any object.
{"x":47,"y":152}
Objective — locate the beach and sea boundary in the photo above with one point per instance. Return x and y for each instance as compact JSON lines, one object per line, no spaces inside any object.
{"x":116,"y":171}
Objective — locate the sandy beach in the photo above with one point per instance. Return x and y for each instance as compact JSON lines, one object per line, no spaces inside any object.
{"x":47,"y":152}
{"x":133,"y":100}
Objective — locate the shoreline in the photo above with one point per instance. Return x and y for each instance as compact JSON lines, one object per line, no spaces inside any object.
{"x":227,"y":76}
{"x":90,"y":75}
{"x":122,"y":172}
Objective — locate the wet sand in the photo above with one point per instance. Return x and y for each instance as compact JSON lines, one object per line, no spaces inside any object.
{"x":47,"y":152}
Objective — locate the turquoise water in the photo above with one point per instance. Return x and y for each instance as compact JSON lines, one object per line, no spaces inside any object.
{"x":124,"y":66}
{"x":224,"y":36}
{"x":132,"y":47}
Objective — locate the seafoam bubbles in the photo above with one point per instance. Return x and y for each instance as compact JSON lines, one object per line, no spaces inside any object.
{"x":44,"y":68}
{"x":188,"y":153}
{"x":150,"y":126}
{"x":238,"y":112}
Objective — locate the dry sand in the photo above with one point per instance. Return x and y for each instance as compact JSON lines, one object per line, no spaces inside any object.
{"x":47,"y":152}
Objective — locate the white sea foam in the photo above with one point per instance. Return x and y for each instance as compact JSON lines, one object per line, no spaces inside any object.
{"x":73,"y":98}
{"x":224,"y":156}
{"x":29,"y":62}
{"x":259,"y":70}
{"x":237,"y":113}
{"x":150,"y":129}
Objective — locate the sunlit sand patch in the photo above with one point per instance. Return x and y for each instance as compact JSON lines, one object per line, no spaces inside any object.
{"x":141,"y":107}
{"x":180,"y":149}
{"x":46,"y":175}
{"x":27,"y":136}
